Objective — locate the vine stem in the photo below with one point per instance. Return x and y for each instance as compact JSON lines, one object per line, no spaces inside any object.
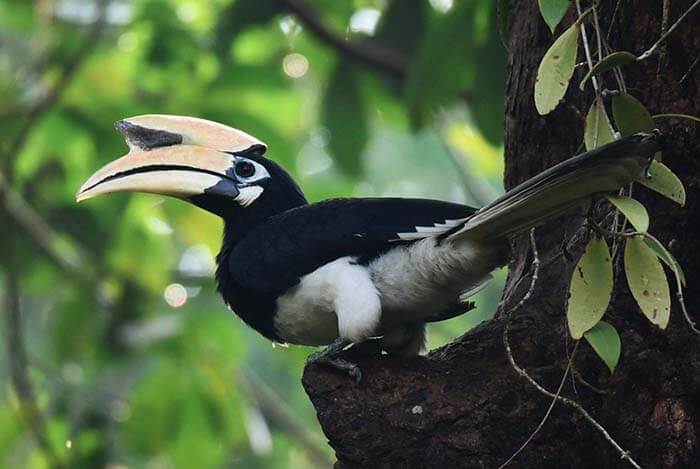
{"x":589,"y":57}
{"x":547,"y":413}
{"x":508,"y":315}
{"x":646,"y":54}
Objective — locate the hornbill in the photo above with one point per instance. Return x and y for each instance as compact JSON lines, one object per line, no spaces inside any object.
{"x":343,"y":271}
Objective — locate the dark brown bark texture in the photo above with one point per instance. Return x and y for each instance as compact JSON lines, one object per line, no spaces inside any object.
{"x":463,"y":405}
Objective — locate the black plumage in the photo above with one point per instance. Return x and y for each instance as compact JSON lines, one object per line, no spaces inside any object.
{"x":263,"y":260}
{"x":345,"y":269}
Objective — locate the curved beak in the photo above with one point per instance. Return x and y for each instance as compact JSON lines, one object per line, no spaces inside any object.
{"x":173,"y":155}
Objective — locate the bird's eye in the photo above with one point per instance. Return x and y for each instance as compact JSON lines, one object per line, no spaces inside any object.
{"x":245,"y":169}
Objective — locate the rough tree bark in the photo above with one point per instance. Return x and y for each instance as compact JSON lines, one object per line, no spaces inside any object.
{"x":463,"y":405}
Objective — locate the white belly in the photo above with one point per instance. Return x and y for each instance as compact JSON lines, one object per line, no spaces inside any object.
{"x":408,"y":284}
{"x":338,"y":298}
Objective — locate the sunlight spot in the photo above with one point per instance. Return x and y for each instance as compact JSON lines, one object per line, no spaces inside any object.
{"x":175,"y":295}
{"x":289,"y":26}
{"x":193,"y":291}
{"x":187,"y":12}
{"x":364,"y":20}
{"x":128,"y":41}
{"x":197,"y":261}
{"x":443,"y":6}
{"x":312,"y":160}
{"x":295,"y":65}
{"x":158,"y":226}
{"x":319,"y":136}
{"x":69,"y":444}
{"x":147,"y":332}
{"x":259,"y":435}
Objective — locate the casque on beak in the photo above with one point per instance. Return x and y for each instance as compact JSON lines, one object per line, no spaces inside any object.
{"x":173,"y":155}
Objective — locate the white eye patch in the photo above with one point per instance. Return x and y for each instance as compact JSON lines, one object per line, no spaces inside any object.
{"x":247,"y":172}
{"x":248,"y":195}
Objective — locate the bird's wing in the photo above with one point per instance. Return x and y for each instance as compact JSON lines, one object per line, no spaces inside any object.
{"x":275,"y":255}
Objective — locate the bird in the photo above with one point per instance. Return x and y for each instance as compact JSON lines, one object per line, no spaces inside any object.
{"x":346,"y":271}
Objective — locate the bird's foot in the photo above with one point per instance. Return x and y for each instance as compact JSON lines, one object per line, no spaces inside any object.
{"x":329,"y":357}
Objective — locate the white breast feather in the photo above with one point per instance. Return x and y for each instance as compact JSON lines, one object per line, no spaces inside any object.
{"x":337,"y":298}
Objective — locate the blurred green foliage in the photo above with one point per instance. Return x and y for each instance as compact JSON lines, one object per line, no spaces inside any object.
{"x":132,"y":359}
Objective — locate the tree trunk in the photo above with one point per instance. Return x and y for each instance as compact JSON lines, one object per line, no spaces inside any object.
{"x":463,"y":405}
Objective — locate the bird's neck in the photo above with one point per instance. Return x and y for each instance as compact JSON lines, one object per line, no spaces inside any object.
{"x":240,"y":221}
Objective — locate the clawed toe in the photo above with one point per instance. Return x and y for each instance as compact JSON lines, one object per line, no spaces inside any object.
{"x":329,"y":357}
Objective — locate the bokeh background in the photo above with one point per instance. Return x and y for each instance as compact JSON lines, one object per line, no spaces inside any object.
{"x":116,"y":350}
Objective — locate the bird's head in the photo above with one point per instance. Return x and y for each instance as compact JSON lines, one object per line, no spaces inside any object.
{"x":216,"y":167}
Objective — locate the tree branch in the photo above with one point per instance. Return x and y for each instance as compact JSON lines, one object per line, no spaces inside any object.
{"x":43,"y":235}
{"x":369,"y":53}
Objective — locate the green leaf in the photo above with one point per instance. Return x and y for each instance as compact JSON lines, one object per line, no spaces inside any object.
{"x":611,"y":61}
{"x":555,"y":70}
{"x":591,"y":287}
{"x":605,"y":341}
{"x":630,"y":115}
{"x":553,"y":11}
{"x":647,"y":281}
{"x":402,"y":25}
{"x":597,"y":131}
{"x":677,"y":116}
{"x":664,"y":254}
{"x":443,"y":65}
{"x":661,"y":179}
{"x":239,"y":16}
{"x":633,"y":210}
{"x":345,"y":116}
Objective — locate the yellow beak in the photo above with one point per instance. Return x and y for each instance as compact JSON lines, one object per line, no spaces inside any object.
{"x":173,"y":155}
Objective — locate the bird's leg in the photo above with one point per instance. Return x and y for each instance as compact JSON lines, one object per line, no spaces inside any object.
{"x":329,"y":357}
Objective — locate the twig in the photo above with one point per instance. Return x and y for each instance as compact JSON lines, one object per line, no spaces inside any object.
{"x":372,"y":54}
{"x":546,"y":414}
{"x":612,"y":19}
{"x":589,"y":57}
{"x":533,"y":280}
{"x":17,"y":360}
{"x":690,"y":70}
{"x":577,"y":376}
{"x":586,"y":47}
{"x":646,"y":54}
{"x":273,"y":406}
{"x":42,"y":234}
{"x":665,"y":14}
{"x":524,"y":374}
